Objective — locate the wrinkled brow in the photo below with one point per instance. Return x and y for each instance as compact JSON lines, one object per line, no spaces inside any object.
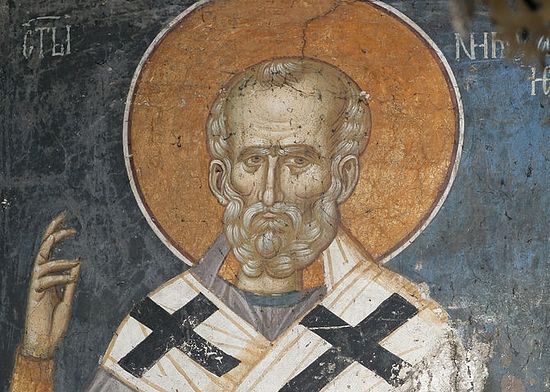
{"x":293,"y":149}
{"x":300,"y":149}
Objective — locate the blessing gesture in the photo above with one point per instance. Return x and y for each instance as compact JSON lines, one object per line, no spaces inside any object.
{"x":51,"y":293}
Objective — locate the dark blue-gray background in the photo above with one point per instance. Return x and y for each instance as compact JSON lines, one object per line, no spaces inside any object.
{"x":485,"y":256}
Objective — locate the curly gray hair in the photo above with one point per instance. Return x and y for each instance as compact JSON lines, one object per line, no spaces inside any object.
{"x":351,"y":131}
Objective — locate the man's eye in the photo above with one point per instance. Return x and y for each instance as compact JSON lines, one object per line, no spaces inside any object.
{"x":254,"y":161}
{"x":298,"y":162}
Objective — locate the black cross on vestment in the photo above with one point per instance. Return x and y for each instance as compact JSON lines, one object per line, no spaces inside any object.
{"x":175,"y":330}
{"x":350,"y":344}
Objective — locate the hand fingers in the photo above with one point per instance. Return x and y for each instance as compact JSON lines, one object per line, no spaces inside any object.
{"x":68,"y":294}
{"x":62,"y":234}
{"x":62,"y":312}
{"x":45,"y":249}
{"x":49,"y":242}
{"x":56,"y":266}
{"x":52,"y":227}
{"x":50,"y":281}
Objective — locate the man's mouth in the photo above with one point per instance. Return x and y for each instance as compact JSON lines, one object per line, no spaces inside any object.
{"x":269,"y":215}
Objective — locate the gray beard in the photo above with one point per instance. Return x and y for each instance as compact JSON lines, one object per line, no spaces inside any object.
{"x":282,"y":245}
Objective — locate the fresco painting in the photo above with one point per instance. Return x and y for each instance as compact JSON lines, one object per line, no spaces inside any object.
{"x":283,"y":155}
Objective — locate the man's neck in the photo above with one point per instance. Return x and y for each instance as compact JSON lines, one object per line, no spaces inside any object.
{"x":268,"y":285}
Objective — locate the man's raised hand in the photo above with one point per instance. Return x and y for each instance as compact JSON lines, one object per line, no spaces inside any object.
{"x":51,"y":293}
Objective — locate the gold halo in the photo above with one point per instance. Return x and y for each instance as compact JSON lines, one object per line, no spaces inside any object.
{"x":417,"y":121}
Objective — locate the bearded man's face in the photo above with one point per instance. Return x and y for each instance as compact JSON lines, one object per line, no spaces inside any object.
{"x":282,"y":186}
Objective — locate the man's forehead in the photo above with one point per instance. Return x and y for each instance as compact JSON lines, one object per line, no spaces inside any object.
{"x":284,"y":115}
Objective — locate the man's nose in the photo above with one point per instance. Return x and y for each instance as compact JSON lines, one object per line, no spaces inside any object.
{"x":271,"y":192}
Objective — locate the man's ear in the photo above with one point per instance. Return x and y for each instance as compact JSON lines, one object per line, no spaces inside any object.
{"x":216,"y":180}
{"x":349,"y":174}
